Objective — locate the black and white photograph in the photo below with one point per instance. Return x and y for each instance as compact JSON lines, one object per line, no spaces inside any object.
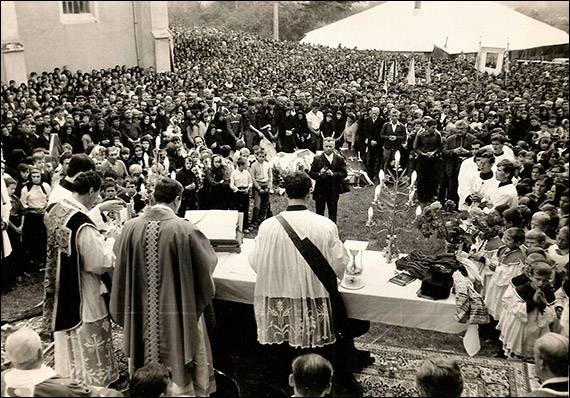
{"x":284,"y":198}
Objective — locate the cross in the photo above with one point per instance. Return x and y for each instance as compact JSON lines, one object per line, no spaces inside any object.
{"x":95,"y":347}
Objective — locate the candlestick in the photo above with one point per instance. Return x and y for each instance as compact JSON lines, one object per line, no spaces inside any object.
{"x":370,"y":215}
{"x":166,"y":164}
{"x":418,"y":211}
{"x":413,"y":178}
{"x":397,"y":159}
{"x":411,"y":195}
{"x":377,"y":192}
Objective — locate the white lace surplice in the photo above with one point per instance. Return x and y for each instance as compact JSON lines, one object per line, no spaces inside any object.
{"x":291,"y":305}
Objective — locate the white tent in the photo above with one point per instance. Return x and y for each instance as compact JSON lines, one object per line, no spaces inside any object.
{"x":454,"y":26}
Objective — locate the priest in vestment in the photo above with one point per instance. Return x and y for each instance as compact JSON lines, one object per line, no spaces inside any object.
{"x":74,"y":305}
{"x":161,"y":286}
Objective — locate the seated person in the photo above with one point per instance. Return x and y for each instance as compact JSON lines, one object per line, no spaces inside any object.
{"x":311,"y":377}
{"x":551,"y":366}
{"x":30,"y":377}
{"x":439,"y":378}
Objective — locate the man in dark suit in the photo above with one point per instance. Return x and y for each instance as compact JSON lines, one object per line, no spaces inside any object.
{"x":371,"y":129}
{"x":393,"y":135}
{"x":328,"y":170}
{"x":457,"y":148}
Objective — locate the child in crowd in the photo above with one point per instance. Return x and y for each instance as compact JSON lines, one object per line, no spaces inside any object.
{"x":535,"y":238}
{"x":131,"y":195}
{"x":34,"y":201}
{"x":527,"y":312}
{"x":311,"y":376}
{"x":558,"y":252}
{"x":241,"y":184}
{"x":506,"y":264}
{"x":262,"y":176}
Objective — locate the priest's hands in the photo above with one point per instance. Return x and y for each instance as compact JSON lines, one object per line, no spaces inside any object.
{"x":112,"y":205}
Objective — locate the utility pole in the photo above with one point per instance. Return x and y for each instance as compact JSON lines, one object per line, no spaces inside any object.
{"x":276,"y":20}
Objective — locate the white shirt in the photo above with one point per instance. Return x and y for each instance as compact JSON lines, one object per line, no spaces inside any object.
{"x":35,"y":198}
{"x":329,"y":157}
{"x":240,"y":179}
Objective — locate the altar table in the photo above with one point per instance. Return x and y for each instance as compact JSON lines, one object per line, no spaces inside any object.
{"x":379,"y":301}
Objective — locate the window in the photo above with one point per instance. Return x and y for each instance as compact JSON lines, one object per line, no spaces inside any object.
{"x":78,"y":12}
{"x":76,"y":7}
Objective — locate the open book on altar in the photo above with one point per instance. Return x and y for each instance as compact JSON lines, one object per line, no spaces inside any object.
{"x":224,"y":228}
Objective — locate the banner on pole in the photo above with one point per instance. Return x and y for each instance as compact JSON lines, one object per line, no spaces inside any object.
{"x":392,"y":73}
{"x":490,"y":60}
{"x":412,"y":73}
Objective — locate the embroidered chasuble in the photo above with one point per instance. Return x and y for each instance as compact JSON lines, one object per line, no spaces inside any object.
{"x":162,"y":284}
{"x":74,"y":309}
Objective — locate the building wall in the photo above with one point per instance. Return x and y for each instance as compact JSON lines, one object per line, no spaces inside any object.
{"x":49,"y":43}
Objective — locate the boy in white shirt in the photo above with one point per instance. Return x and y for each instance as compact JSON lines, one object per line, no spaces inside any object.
{"x":241,"y":183}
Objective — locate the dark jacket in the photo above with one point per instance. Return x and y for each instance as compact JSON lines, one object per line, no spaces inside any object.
{"x":328,"y":186}
{"x":387,"y":131}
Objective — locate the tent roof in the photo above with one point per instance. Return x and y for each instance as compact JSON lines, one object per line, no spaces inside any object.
{"x":455,"y":26}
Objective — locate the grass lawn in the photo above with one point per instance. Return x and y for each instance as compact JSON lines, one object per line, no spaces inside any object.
{"x":351,"y":221}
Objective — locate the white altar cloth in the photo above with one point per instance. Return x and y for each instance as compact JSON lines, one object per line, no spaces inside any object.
{"x":379,"y":301}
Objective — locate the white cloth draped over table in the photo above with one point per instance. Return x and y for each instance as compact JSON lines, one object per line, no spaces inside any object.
{"x":378,"y":301}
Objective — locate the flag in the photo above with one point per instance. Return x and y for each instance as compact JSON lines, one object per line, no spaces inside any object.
{"x":392,"y":73}
{"x":412,"y":73}
{"x":55,"y":147}
{"x":428,"y":72}
{"x":381,"y":73}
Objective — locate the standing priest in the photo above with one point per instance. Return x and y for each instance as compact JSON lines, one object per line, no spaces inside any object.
{"x":74,"y":305}
{"x":161,"y":286}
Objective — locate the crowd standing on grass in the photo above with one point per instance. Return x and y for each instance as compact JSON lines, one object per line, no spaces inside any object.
{"x":494,"y":145}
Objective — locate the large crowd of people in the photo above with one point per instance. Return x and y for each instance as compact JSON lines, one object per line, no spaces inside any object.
{"x":497,"y":146}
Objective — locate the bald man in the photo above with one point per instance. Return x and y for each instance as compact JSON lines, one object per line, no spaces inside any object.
{"x":551,"y":366}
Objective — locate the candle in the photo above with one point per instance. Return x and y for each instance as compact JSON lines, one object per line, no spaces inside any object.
{"x":418,"y":211}
{"x":397,"y":158}
{"x":381,"y":176}
{"x":377,"y":191}
{"x":143,"y":189}
{"x":413,"y":178}
{"x":411,"y":196}
{"x":370,"y":215}
{"x":173,"y":175}
{"x":166,"y":164}
{"x":157,"y":143}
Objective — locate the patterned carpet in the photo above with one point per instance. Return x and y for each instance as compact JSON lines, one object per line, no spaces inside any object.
{"x":483,"y":377}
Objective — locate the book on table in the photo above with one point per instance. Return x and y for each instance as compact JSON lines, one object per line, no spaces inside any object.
{"x":402,"y":279}
{"x":224,"y":228}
